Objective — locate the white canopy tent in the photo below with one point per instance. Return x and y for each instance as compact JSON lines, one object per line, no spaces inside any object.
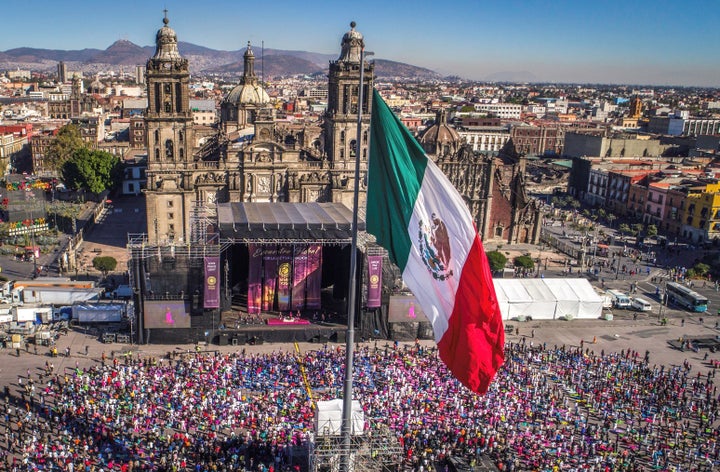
{"x":547,"y":299}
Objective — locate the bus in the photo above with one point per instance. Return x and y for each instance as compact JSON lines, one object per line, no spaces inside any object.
{"x":683,"y":296}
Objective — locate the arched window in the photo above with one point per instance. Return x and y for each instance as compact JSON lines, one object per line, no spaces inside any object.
{"x":157,"y":154}
{"x":181,"y":136}
{"x":365,"y":136}
{"x":169,"y":151}
{"x":353,"y":145}
{"x":365,"y":153}
{"x":342,"y":136}
{"x":182,"y":154}
{"x":499,"y":231}
{"x":157,"y":135}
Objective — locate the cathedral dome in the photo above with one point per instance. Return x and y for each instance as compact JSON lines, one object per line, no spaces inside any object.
{"x":440,"y":133}
{"x":166,"y":47}
{"x":245,"y":94}
{"x":249,"y":91}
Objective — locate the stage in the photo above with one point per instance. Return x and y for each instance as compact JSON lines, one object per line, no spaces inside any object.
{"x":238,"y":328}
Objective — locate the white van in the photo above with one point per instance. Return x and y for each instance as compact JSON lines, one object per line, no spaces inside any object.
{"x":641,"y":305}
{"x":619,"y":299}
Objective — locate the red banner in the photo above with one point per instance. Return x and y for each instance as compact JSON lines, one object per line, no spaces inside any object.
{"x":374,"y":294}
{"x":271,"y":263}
{"x":300,"y":263}
{"x":313,"y":277}
{"x":211,"y":298}
{"x":255,"y":273}
{"x":285,"y":272}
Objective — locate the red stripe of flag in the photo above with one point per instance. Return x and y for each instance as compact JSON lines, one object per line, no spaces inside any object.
{"x":473,"y":345}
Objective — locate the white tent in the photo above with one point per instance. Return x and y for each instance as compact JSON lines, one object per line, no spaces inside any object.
{"x":547,"y":299}
{"x":513,"y":298}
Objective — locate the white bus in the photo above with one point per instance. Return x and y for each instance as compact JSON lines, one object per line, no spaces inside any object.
{"x":685,"y":297}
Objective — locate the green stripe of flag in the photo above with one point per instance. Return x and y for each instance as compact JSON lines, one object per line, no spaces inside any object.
{"x":395,"y":174}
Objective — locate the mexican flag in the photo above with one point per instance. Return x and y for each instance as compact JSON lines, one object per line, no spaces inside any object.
{"x":422,"y":221}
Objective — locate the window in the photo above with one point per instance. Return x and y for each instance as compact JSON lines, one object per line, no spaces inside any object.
{"x":171,"y":216}
{"x":499,"y":231}
{"x":169,"y":152}
{"x":170,"y":203}
{"x":181,"y":136}
{"x":353,"y":145}
{"x":342,"y":136}
{"x":157,"y":135}
{"x":182,"y":154}
{"x":157,"y":154}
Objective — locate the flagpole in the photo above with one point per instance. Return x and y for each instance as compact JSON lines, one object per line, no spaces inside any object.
{"x":346,"y":427}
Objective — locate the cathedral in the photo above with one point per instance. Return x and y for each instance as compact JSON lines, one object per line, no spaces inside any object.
{"x":253,"y":158}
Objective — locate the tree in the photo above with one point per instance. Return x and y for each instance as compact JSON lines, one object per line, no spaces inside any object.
{"x":66,"y":143}
{"x":525,"y":262}
{"x":624,"y":229}
{"x":497,"y":260}
{"x":701,"y":269}
{"x":95,"y":171}
{"x":651,"y":231}
{"x":637,"y":229}
{"x":610,"y":218}
{"x":104,"y":264}
{"x":574,"y":203}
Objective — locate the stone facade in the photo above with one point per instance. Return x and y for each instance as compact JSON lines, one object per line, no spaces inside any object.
{"x":251,"y":158}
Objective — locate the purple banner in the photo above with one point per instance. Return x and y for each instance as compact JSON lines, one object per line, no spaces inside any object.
{"x":374,"y":294}
{"x":254,"y":296}
{"x":299,"y":275}
{"x":271,"y":263}
{"x":211,"y":298}
{"x":313,"y":276}
{"x":285,"y":272}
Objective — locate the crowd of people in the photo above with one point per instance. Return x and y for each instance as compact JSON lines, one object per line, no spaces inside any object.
{"x":549,"y":409}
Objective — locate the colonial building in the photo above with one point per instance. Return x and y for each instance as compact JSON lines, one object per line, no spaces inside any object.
{"x":251,"y":157}
{"x":78,"y":103}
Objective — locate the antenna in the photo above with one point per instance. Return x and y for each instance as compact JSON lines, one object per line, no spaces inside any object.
{"x":262,"y":63}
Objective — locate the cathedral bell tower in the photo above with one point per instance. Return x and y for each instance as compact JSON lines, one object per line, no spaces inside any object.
{"x":170,"y":140}
{"x":342,"y":113}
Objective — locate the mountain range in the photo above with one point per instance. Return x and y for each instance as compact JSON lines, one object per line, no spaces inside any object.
{"x":276,"y":63}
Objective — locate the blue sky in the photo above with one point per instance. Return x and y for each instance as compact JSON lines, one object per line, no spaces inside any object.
{"x":604,"y":41}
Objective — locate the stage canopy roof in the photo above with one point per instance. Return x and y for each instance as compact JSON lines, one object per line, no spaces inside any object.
{"x":286,"y":221}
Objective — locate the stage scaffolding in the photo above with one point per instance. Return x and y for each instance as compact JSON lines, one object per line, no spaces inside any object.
{"x":376,"y":449}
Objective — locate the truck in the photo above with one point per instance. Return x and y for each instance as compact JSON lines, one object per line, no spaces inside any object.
{"x":98,"y":312}
{"x":32,"y":314}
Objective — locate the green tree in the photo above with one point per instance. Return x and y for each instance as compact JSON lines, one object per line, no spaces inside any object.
{"x":651,"y":231}
{"x":637,"y":229}
{"x":525,"y":262}
{"x":104,"y":264}
{"x":701,"y":269}
{"x":497,"y":260}
{"x":610,"y":219}
{"x":66,"y":143}
{"x":624,"y":229}
{"x":574,"y":203}
{"x":94,"y":171}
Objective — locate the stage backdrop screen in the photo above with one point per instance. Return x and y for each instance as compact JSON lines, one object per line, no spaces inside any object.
{"x":404,"y":308}
{"x":167,"y":314}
